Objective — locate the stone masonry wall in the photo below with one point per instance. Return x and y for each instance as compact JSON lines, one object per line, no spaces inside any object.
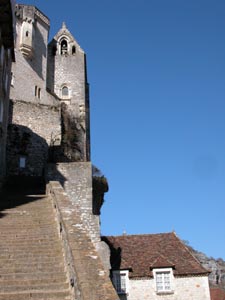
{"x":30,"y":72}
{"x":76,"y":178}
{"x":187,"y":288}
{"x":87,"y":276}
{"x":43,"y":120}
{"x":33,"y":128}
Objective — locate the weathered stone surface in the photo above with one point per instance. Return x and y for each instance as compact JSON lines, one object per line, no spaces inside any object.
{"x":76,"y":178}
{"x":87,"y":273}
{"x":31,"y":260}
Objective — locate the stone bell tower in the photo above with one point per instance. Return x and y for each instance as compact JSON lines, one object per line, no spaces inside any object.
{"x":67,"y":78}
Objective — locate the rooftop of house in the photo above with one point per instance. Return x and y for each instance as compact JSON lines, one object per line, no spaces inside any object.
{"x":142,"y":253}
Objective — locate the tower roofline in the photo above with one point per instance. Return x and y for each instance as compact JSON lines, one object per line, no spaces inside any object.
{"x":64,"y":32}
{"x":37,"y":13}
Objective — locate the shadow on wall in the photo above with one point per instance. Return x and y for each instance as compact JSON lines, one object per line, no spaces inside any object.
{"x":115,"y":254}
{"x":27,"y":152}
{"x":19,"y":191}
{"x":28,"y":156}
{"x":115,"y":260}
{"x":52,"y":48}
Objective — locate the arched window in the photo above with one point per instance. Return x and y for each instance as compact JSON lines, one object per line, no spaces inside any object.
{"x":35,"y":91}
{"x":65,"y":91}
{"x":64,"y":47}
{"x":73,"y":50}
{"x":27,"y":33}
{"x":39,"y":93}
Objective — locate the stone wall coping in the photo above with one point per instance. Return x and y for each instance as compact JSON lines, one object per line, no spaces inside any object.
{"x":88,"y":279}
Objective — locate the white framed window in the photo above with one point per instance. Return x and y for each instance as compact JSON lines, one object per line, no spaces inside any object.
{"x":163,"y":280}
{"x":121,"y":281}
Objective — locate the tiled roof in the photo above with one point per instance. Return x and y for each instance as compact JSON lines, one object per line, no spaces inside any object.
{"x":217,"y":294}
{"x":142,"y":253}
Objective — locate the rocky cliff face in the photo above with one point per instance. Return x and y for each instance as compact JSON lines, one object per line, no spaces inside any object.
{"x":215,"y":266}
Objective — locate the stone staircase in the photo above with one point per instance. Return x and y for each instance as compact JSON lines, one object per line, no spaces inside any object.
{"x":31,"y":255}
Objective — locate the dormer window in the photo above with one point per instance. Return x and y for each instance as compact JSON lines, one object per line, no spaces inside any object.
{"x":163,"y":280}
{"x":64,"y":47}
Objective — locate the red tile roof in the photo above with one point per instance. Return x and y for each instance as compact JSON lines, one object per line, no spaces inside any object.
{"x":217,"y":294}
{"x":142,"y":253}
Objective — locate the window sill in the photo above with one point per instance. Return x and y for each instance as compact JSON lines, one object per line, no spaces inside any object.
{"x":165,"y":293}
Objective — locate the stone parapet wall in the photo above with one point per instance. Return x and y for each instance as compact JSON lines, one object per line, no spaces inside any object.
{"x":87,"y":276}
{"x":76,"y":178}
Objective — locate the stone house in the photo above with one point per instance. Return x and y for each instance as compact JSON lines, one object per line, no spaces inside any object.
{"x":6,"y":58}
{"x":156,"y":266}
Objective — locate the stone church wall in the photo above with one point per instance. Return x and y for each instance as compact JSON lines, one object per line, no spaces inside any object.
{"x":33,"y":128}
{"x":30,"y":69}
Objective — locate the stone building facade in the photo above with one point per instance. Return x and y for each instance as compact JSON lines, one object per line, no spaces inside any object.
{"x":156,"y":266}
{"x":49,"y":128}
{"x":49,"y":137}
{"x":6,"y":58}
{"x":50,"y":85}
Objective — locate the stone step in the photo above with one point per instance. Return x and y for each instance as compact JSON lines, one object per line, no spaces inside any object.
{"x":20,"y":255}
{"x":36,"y":295}
{"x":26,"y":233}
{"x":31,"y":259}
{"x":33,"y":276}
{"x":32,"y":243}
{"x":29,"y":264}
{"x":18,"y":241}
{"x":31,"y":255}
{"x":26,"y":269}
{"x":32,"y":251}
{"x":34,"y":287}
{"x":28,"y":256}
{"x":26,"y":282}
{"x":29,"y":225}
{"x":31,"y":246}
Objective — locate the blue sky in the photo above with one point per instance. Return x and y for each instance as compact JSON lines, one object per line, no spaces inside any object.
{"x":156,"y":70}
